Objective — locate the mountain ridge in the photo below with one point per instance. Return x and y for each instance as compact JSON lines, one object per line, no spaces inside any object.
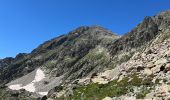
{"x":87,"y":57}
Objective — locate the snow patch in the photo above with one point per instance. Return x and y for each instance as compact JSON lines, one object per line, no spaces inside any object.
{"x":39,"y":75}
{"x":15,"y":87}
{"x":30,"y":86}
{"x":43,"y":93}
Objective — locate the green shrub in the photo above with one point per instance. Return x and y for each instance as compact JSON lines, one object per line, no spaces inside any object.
{"x":96,"y":91}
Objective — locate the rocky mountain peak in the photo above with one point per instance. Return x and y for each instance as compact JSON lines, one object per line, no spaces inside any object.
{"x":95,"y":33}
{"x":164,"y":13}
{"x":162,"y":19}
{"x":92,"y":30}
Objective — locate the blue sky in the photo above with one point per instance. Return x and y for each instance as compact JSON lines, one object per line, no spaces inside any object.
{"x":24,"y":24}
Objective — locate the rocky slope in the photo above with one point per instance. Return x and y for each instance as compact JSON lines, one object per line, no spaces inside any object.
{"x":91,"y":63}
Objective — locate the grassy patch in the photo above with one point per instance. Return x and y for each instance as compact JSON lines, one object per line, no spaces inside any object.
{"x":96,"y":91}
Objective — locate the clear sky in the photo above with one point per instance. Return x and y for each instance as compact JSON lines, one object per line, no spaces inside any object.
{"x":24,"y":24}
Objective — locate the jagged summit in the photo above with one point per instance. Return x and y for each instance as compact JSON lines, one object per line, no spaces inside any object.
{"x":94,"y":30}
{"x":164,"y":13}
{"x":94,"y":27}
{"x":84,"y":32}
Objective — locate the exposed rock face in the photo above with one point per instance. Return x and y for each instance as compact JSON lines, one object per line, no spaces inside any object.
{"x":91,"y":62}
{"x":143,"y":33}
{"x":5,"y":62}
